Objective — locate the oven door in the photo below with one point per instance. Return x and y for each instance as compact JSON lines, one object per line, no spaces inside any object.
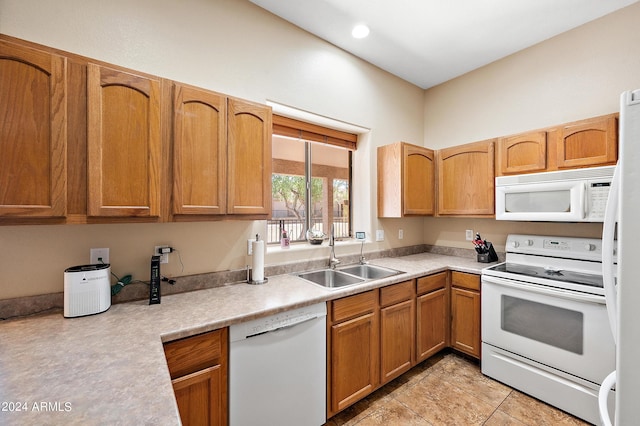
{"x":561,"y":201}
{"x":564,"y":330}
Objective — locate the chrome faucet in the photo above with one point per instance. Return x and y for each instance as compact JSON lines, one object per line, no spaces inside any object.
{"x":333,"y":260}
{"x":363,"y":261}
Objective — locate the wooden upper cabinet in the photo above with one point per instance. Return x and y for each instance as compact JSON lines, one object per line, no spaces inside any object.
{"x":592,"y":142}
{"x":406,"y":184}
{"x":33,"y":134}
{"x":586,"y":143}
{"x":199,"y":151}
{"x":124,"y":144}
{"x":526,"y":153}
{"x":248,"y":158}
{"x":466,"y":179}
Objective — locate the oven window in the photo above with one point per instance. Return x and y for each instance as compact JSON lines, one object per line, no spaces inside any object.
{"x":539,"y":201}
{"x":555,"y":326}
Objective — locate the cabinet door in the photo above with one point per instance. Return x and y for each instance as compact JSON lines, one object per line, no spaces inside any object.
{"x":199,"y":151}
{"x":406,"y":180}
{"x":354,"y":361}
{"x":397,"y":341}
{"x":124,"y":145}
{"x":33,"y":138}
{"x":249,"y":158}
{"x":592,"y":142}
{"x":465,"y":321}
{"x":466,"y":180}
{"x":522,"y":153}
{"x":432,"y":323}
{"x":418,"y":180}
{"x":199,"y":397}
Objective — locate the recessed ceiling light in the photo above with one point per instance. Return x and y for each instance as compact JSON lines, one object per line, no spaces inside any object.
{"x":360,"y":31}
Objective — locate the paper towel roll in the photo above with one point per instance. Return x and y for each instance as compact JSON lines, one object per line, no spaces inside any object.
{"x":257,"y":266}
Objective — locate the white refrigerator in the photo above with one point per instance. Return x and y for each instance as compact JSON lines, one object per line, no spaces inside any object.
{"x":622,"y":288}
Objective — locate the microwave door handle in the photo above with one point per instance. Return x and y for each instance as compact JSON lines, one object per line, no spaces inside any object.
{"x":583,"y":202}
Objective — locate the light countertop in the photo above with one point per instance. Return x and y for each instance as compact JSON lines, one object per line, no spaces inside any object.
{"x":110,"y":368}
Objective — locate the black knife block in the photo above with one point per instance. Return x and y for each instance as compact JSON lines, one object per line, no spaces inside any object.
{"x":489,"y":256}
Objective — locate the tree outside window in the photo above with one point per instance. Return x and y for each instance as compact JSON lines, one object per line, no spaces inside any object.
{"x":329,"y":176}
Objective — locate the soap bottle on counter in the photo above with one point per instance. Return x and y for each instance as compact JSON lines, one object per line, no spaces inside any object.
{"x":284,"y":240}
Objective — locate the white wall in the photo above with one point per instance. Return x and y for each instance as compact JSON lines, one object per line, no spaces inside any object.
{"x":230,"y":46}
{"x":576,"y":75}
{"x":234,"y":47}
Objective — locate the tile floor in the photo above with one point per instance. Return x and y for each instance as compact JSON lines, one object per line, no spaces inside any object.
{"x":449,"y":389}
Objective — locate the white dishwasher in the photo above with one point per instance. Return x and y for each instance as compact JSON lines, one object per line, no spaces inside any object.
{"x":277,"y":369}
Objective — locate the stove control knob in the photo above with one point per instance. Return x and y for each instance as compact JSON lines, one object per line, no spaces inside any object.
{"x":528,"y":242}
{"x":589,"y":247}
{"x":515,"y":244}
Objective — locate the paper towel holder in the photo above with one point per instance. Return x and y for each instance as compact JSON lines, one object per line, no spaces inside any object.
{"x":251,"y":281}
{"x":258,"y":263}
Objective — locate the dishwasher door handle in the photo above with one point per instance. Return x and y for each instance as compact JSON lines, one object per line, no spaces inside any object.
{"x":289,"y":325}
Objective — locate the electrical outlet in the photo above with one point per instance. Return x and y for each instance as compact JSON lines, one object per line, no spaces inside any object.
{"x":249,"y":248}
{"x":99,"y":255}
{"x":164,"y":257}
{"x":380,"y":235}
{"x":400,"y":234}
{"x":469,"y":235}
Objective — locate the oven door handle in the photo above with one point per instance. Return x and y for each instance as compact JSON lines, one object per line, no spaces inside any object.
{"x":546,"y":291}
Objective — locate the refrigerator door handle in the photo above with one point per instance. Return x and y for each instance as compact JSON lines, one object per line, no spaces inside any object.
{"x":608,"y":230}
{"x":603,"y":397}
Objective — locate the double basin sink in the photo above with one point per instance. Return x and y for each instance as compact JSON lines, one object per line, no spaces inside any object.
{"x":347,"y":275}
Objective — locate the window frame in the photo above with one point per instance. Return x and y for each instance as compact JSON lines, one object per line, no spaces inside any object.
{"x":311,"y":134}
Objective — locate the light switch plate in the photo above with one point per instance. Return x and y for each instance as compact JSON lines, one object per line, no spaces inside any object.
{"x":469,"y":234}
{"x":380,"y":235}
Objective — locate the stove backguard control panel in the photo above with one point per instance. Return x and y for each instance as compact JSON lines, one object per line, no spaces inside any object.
{"x":569,"y":247}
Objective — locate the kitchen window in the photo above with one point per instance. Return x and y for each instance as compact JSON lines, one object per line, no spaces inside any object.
{"x":311,"y":180}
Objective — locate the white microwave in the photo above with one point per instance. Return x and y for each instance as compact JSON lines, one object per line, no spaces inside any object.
{"x":577,"y":195}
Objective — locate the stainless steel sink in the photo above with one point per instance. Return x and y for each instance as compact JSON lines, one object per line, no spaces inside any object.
{"x":370,"y":272}
{"x":330,"y":278}
{"x":348,"y":275}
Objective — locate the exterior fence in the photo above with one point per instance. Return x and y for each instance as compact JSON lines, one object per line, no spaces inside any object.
{"x":296,"y":229}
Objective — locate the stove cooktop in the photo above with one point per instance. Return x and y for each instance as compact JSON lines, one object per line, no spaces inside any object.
{"x":553,"y":274}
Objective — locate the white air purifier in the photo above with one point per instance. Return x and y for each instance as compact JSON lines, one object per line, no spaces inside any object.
{"x":87,"y":290}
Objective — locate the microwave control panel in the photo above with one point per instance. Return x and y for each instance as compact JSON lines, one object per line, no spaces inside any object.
{"x":597,"y":195}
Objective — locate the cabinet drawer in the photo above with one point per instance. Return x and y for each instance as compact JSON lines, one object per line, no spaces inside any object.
{"x":352,"y":306}
{"x":432,"y":282}
{"x":191,"y":354}
{"x":464,"y":280}
{"x":396,"y":293}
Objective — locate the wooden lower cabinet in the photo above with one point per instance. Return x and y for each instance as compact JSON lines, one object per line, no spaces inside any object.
{"x":371,"y":340}
{"x":198,"y":396}
{"x":353,"y":346}
{"x":199,"y":373}
{"x":375,"y":336}
{"x":432,"y":315}
{"x":397,"y":330}
{"x":465,"y":313}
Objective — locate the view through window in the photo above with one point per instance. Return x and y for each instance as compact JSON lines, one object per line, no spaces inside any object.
{"x":311,"y":186}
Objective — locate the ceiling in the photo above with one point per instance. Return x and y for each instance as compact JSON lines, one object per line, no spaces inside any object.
{"x":427,"y":42}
